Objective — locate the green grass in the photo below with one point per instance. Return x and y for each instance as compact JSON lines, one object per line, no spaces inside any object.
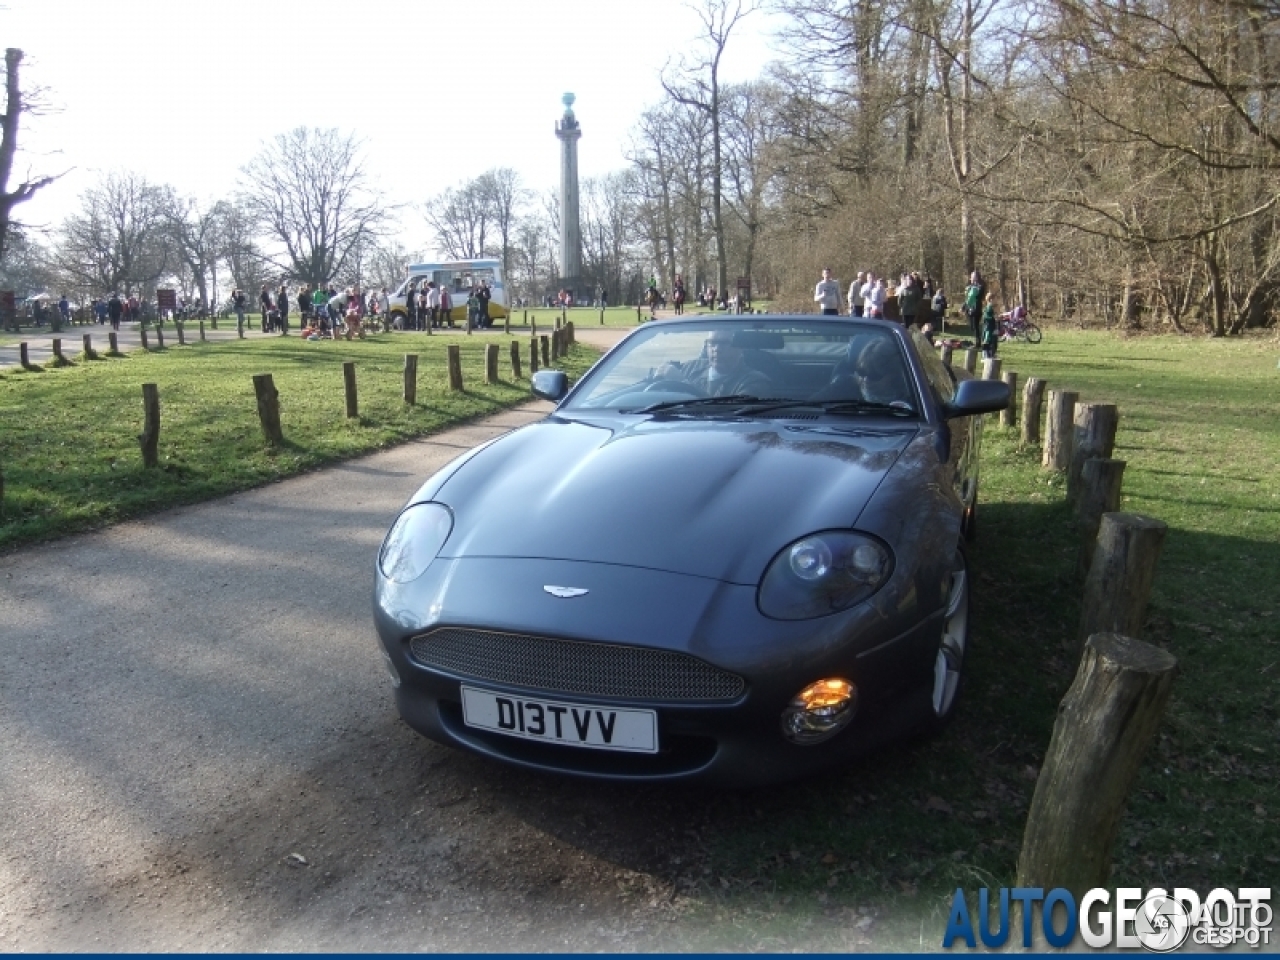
{"x":69,"y":450}
{"x":892,"y":837}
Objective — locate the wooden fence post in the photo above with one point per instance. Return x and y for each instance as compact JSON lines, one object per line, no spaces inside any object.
{"x":563,"y":316}
{"x":214,"y":321}
{"x":455,"y":367}
{"x":1009,"y":415}
{"x":1121,"y":573}
{"x":411,"y":378}
{"x":970,"y":359}
{"x":639,"y":319}
{"x":1100,"y":483}
{"x":491,"y":363}
{"x":150,"y":436}
{"x":24,"y":355}
{"x":526,"y":318}
{"x":572,"y":335}
{"x":546,"y":349}
{"x":947,"y":351}
{"x":991,"y":368}
{"x":533,"y":328}
{"x":58,"y":358}
{"x":268,"y":408}
{"x":515,"y":361}
{"x":1032,"y":398}
{"x":533,"y":355}
{"x":506,"y":324}
{"x":1093,"y":437}
{"x":159,"y":337}
{"x":349,"y":382}
{"x":1057,"y":429}
{"x":555,"y":343}
{"x":202,"y":331}
{"x":1104,"y":726}
{"x":142,"y":332}
{"x":89,"y":352}
{"x":602,"y":316}
{"x":182,"y":334}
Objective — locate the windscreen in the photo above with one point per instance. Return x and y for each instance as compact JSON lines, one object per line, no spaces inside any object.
{"x":857,"y":363}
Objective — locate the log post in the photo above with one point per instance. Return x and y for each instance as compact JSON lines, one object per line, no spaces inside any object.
{"x":546,"y":350}
{"x":639,"y":319}
{"x":526,"y":318}
{"x":515,"y":361}
{"x":214,"y":321}
{"x":602,"y":316}
{"x":142,"y":332}
{"x":491,"y":363}
{"x":1032,"y":398}
{"x":991,"y":368}
{"x":88,"y":346}
{"x":533,"y":329}
{"x":202,"y":331}
{"x":159,"y":337}
{"x":1100,"y":483}
{"x":239,"y":328}
{"x":455,"y":367}
{"x":555,"y":343}
{"x":410,"y":378}
{"x":349,"y":382}
{"x":572,"y":336}
{"x":24,"y":355}
{"x":182,"y":333}
{"x":970,"y":359}
{"x":947,"y":351}
{"x":1093,"y":437}
{"x":1058,"y":430}
{"x":268,"y":408}
{"x":1120,"y":575}
{"x":1009,"y":415}
{"x":1105,"y":724}
{"x":533,"y":355}
{"x":150,"y":436}
{"x":58,"y":358}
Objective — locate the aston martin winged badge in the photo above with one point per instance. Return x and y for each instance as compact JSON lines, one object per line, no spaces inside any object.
{"x":565,"y":592}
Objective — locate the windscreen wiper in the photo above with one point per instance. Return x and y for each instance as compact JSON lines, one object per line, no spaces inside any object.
{"x":896,"y":407}
{"x":735,"y":399}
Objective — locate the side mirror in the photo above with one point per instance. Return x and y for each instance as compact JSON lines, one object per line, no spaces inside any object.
{"x":553,"y":385}
{"x":977,"y":396}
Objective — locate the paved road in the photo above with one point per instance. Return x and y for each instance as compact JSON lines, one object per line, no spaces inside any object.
{"x":199,"y":750}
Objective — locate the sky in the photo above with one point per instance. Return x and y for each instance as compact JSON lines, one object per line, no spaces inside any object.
{"x":186,"y":93}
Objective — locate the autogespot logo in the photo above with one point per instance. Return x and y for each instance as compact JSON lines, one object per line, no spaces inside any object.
{"x":1155,"y":920}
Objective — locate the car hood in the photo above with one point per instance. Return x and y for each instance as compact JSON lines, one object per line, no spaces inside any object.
{"x":710,"y":499}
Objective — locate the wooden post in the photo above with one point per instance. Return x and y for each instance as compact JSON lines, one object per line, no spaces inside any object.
{"x":947,"y":351}
{"x":150,"y":436}
{"x":411,"y":378}
{"x":602,"y":316}
{"x":639,"y":319}
{"x":1009,"y":415}
{"x":1105,"y":724}
{"x":1032,"y":398}
{"x":562,"y":316}
{"x":1100,"y":483}
{"x":515,"y":361}
{"x":970,"y":359}
{"x":24,"y":355}
{"x":546,"y":349}
{"x":57,"y":351}
{"x":491,"y":363}
{"x":142,"y":332}
{"x":214,"y":320}
{"x":182,"y":334}
{"x":506,"y":324}
{"x":533,"y":355}
{"x":573,"y":333}
{"x":1094,"y":437}
{"x":88,"y":345}
{"x":455,"y":367}
{"x":555,"y":343}
{"x":991,"y":368}
{"x":1057,"y":429}
{"x":202,"y":331}
{"x":1120,"y":575}
{"x":268,"y":408}
{"x":159,"y":337}
{"x":349,"y":382}
{"x":533,"y":329}
{"x":526,"y":318}
{"x":239,"y":328}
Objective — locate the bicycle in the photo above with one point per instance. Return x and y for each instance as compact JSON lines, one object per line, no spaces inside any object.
{"x":1016,"y":326}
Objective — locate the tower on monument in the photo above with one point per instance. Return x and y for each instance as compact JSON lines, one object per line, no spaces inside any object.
{"x":568,"y":133}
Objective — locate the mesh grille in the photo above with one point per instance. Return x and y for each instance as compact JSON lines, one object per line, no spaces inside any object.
{"x":572,"y":666}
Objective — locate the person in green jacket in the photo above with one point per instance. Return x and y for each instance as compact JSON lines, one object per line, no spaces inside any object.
{"x":990,"y":329}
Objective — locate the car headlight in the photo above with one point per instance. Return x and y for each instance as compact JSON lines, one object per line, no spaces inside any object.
{"x":823,"y":573}
{"x":414,"y":540}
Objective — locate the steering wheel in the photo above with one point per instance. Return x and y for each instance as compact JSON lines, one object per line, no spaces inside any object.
{"x":673,"y":386}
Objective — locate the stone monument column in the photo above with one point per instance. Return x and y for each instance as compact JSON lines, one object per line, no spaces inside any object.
{"x":568,"y":133}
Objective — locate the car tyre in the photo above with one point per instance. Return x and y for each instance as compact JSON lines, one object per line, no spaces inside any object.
{"x":953,"y":645}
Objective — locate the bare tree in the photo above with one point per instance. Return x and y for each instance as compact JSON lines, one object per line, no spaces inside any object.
{"x":16,"y":104}
{"x":696,"y":83}
{"x":500,"y":190}
{"x":461,"y":218}
{"x":308,"y":191}
{"x":117,"y":242}
{"x":196,"y":235}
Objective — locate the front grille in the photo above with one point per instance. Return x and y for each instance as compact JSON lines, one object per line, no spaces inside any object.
{"x":575,"y":666}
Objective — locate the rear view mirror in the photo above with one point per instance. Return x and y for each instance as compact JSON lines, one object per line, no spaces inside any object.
{"x":977,"y":396}
{"x":550,"y":385}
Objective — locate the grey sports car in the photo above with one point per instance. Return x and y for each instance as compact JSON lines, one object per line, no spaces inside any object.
{"x":734,"y":552}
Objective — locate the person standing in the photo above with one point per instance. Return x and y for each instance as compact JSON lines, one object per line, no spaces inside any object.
{"x":265,"y":306}
{"x":877,"y":292}
{"x":433,"y":304}
{"x":282,"y":305}
{"x":446,"y":306}
{"x":909,"y":299}
{"x":115,"y":310}
{"x":239,"y":303}
{"x":855,"y":294}
{"x":975,"y":295}
{"x":320,"y":308}
{"x":827,"y":294}
{"x":484,"y":295}
{"x":990,"y":328}
{"x":939,"y":311}
{"x":678,"y":295}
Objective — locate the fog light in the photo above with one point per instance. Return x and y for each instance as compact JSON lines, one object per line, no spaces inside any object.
{"x":820,"y":710}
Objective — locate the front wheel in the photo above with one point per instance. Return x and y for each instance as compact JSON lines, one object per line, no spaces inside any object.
{"x":1033,"y":334}
{"x":949,"y":663}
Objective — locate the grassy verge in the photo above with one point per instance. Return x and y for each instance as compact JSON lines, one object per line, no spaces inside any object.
{"x":69,"y":450}
{"x":880,"y":848}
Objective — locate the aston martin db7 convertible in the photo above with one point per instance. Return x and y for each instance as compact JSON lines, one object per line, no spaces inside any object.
{"x":733,"y":552}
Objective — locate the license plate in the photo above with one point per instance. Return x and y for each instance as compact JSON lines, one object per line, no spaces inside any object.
{"x":571,"y":724}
